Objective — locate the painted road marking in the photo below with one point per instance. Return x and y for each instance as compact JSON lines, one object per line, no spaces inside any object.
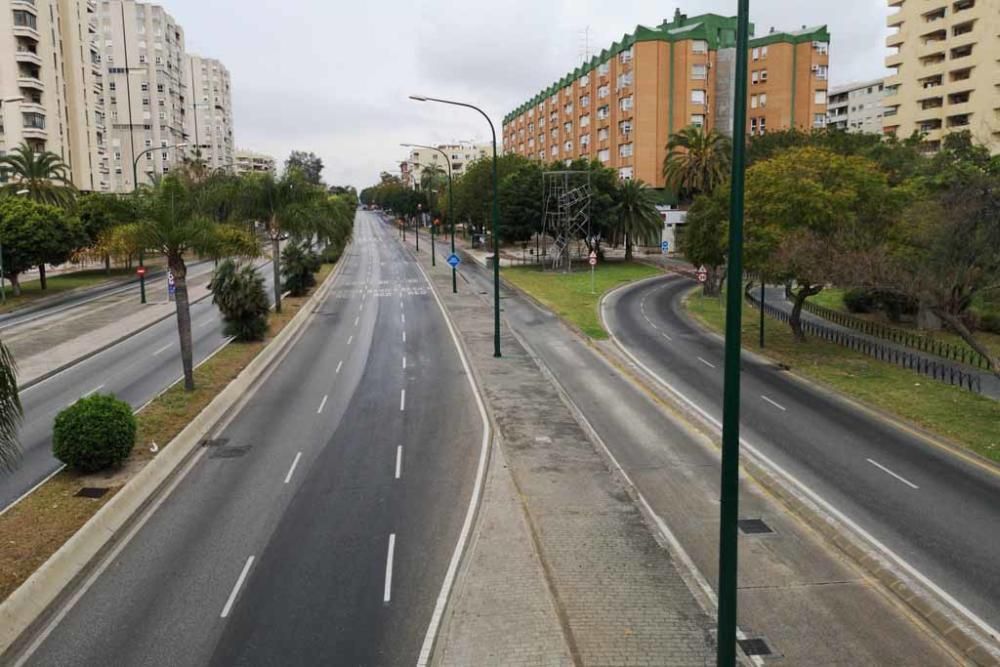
{"x":404,"y":336}
{"x":399,"y":460}
{"x":388,"y":568}
{"x":236,"y":588}
{"x":291,"y":470}
{"x":402,"y":400}
{"x":356,"y":320}
{"x":339,"y":365}
{"x":402,"y":317}
{"x":777,"y":405}
{"x":404,"y":362}
{"x":95,"y":389}
{"x":350,"y":339}
{"x":710,"y":365}
{"x":162,"y":349}
{"x":886,"y":470}
{"x":322,"y":403}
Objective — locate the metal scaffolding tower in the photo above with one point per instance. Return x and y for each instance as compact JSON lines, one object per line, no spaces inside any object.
{"x":566,"y":213}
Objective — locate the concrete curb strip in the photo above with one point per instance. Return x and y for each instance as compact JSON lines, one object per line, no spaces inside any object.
{"x":32,"y":600}
{"x":950,"y":623}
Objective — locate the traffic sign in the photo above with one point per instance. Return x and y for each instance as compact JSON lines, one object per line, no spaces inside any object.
{"x":140,"y":271}
{"x":171,"y":285}
{"x":593,"y":259}
{"x":664,"y":247}
{"x":702,"y":273}
{"x":453,"y":260}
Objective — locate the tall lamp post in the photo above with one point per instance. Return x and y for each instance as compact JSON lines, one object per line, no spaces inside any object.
{"x":135,"y":189}
{"x":730,"y":479}
{"x":451,"y":218}
{"x":496,"y":215}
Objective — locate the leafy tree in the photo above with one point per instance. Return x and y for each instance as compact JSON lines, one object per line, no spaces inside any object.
{"x":33,"y":234}
{"x":44,"y":175}
{"x":309,"y":164}
{"x":637,"y":214}
{"x":697,"y":160}
{"x":299,"y":264}
{"x":99,"y":214}
{"x":238,"y":291}
{"x":704,"y":236}
{"x":521,"y":203}
{"x":173,"y":220}
{"x":11,"y":412}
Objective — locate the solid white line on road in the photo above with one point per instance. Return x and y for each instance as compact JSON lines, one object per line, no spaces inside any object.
{"x":350,"y":339}
{"x":236,"y":588}
{"x":322,"y":403}
{"x":710,"y":365}
{"x":339,"y":364}
{"x":388,"y":568}
{"x":95,"y":389}
{"x":404,"y":362}
{"x":291,"y":470}
{"x":886,"y":470}
{"x":777,"y":405}
{"x":402,"y":399}
{"x":165,"y":347}
{"x":399,"y":460}
{"x":356,"y":320}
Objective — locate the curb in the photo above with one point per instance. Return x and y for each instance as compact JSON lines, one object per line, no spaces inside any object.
{"x":32,"y":601}
{"x":950,"y":624}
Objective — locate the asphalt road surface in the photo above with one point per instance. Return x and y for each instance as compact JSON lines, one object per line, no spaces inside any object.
{"x":135,"y":370}
{"x":937,"y":511}
{"x":319,"y":527}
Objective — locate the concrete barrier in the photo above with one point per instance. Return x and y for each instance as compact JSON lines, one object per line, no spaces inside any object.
{"x":30,"y":603}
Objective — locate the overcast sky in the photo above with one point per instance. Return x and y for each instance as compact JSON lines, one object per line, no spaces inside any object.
{"x":333,"y":76}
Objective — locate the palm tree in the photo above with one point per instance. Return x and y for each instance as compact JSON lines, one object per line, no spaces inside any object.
{"x":289,"y":205}
{"x":636,"y":213}
{"x":44,"y":175}
{"x":10,"y":411}
{"x":697,"y":161}
{"x":174,"y":219}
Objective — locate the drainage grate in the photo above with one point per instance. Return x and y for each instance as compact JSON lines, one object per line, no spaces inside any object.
{"x":754,"y":527}
{"x":755,"y":646}
{"x":229,"y":452}
{"x":91,"y":492}
{"x":217,"y":442}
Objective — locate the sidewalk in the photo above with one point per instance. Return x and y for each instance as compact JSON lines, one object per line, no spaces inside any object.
{"x":562,"y":568}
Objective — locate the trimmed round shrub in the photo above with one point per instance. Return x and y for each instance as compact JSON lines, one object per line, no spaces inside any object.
{"x":94,"y":433}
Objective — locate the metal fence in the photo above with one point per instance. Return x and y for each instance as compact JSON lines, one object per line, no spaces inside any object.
{"x":916,"y":341}
{"x":938,"y":370}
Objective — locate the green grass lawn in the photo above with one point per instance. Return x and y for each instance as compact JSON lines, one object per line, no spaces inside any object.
{"x":956,"y":414}
{"x":569,"y":295}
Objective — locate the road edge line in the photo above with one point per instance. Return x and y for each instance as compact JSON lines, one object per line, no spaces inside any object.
{"x":958,"y":627}
{"x":38,"y":596}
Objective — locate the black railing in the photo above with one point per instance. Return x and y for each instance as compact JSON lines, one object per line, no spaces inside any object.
{"x":938,"y":370}
{"x":924,"y":343}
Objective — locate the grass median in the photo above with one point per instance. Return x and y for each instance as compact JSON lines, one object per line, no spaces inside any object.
{"x":35,"y":528}
{"x":570,"y":296}
{"x":956,"y":414}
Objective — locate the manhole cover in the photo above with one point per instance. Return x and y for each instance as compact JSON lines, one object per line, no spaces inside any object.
{"x":755,"y":646}
{"x":753,"y":527}
{"x":91,"y":492}
{"x":230,"y":452}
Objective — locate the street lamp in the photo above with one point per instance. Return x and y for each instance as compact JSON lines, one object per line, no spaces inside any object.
{"x":451,"y":218}
{"x":496,"y":216}
{"x":135,"y":188}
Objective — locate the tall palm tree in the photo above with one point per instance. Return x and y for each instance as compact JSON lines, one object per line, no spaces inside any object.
{"x":697,"y":161}
{"x":175,"y":219}
{"x":636,"y":215}
{"x":44,"y":175}
{"x":10,"y":411}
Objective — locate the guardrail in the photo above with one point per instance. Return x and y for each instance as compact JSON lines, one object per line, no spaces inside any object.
{"x":941,"y":371}
{"x":916,"y":341}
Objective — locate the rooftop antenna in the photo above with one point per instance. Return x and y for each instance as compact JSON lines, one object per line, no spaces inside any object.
{"x":585,"y":44}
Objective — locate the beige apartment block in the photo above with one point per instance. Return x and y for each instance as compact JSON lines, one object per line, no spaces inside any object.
{"x":460,"y":156}
{"x":944,"y":56}
{"x":51,"y":84}
{"x":248,"y":162}
{"x":210,"y":118}
{"x":145,"y":89}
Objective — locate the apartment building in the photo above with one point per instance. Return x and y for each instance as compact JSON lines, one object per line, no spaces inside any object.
{"x":210,"y":115}
{"x":622,"y":106}
{"x":856,"y":107}
{"x":460,"y":156}
{"x":944,"y":56}
{"x":247,"y":162}
{"x":52,"y":85}
{"x":145,"y":89}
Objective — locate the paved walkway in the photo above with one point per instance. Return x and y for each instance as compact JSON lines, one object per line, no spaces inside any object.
{"x":562,"y":568}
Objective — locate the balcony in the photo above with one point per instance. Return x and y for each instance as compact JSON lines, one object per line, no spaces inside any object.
{"x":35,"y":133}
{"x":26,"y":31}
{"x":28,"y":57}
{"x":894,"y":19}
{"x":30,"y":82}
{"x":893,"y":60}
{"x":895,"y":40}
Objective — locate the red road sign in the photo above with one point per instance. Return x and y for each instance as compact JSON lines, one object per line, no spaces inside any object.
{"x":140,"y":271}
{"x":593,"y":259}
{"x":702,"y":274}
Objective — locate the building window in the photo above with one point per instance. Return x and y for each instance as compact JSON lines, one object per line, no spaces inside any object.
{"x":585,"y":101}
{"x":819,"y":97}
{"x":821,"y":72}
{"x":819,"y":120}
{"x":625,"y":150}
{"x":762,"y":127}
{"x":756,"y":54}
{"x":602,"y":69}
{"x":568,"y":108}
{"x":603,"y":112}
{"x":555,"y":150}
{"x":763,"y":52}
{"x":25,"y":19}
{"x":699,"y":46}
{"x":604,"y":155}
{"x":602,"y":134}
{"x":698,"y":119}
{"x":763,"y":100}
{"x":754,"y":76}
{"x":625,"y":103}
{"x":699,"y":71}
{"x":753,"y":126}
{"x":585,"y":120}
{"x":821,"y":47}
{"x":626,"y":55}
{"x":603,"y":91}
{"x":763,"y":75}
{"x":624,"y":127}
{"x":584,"y":80}
{"x":753,"y":101}
{"x":567,"y":127}
{"x":697,"y":97}
{"x":625,"y":173}
{"x":584,"y":140}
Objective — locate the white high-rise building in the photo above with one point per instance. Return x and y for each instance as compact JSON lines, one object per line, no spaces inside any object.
{"x":856,"y":107}
{"x":210,"y":115}
{"x":248,"y":162}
